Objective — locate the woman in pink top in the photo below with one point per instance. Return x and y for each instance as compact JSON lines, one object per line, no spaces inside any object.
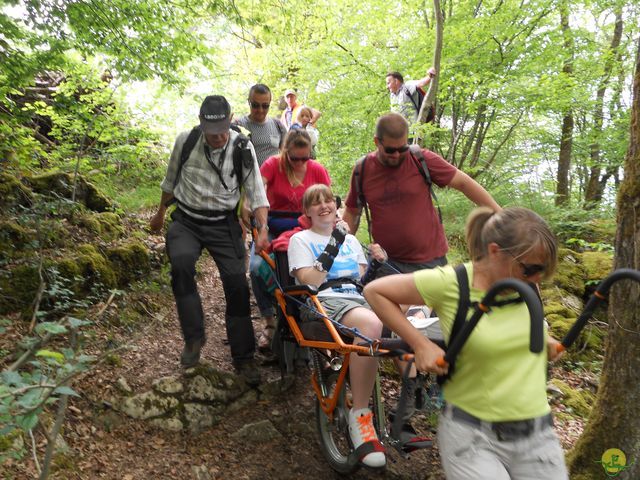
{"x":286,"y":177}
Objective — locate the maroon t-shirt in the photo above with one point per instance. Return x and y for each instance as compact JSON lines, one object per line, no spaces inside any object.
{"x":404,"y":220}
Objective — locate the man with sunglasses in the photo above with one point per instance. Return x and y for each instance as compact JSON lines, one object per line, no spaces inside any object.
{"x":404,"y":220}
{"x":267,"y":133}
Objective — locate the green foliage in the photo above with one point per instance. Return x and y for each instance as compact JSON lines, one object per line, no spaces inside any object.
{"x":31,"y":388}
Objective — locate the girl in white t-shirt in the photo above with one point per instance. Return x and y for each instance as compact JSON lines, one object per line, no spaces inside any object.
{"x":341,"y":301}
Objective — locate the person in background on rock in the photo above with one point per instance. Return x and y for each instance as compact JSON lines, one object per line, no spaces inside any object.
{"x":207,"y":190}
{"x":286,"y":177}
{"x":312,"y":263}
{"x":267,"y":133}
{"x":290,"y":113}
{"x":401,"y":93}
{"x":496,"y":423}
{"x":303,"y":122}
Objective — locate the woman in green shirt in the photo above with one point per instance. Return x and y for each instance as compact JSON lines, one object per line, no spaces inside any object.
{"x":496,"y":423}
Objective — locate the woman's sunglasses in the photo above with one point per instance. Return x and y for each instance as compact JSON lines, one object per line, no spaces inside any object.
{"x":256,"y":105}
{"x":298,"y":159}
{"x":528,"y":269}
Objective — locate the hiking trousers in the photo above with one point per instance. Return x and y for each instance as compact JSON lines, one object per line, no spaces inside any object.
{"x":471,"y":452}
{"x":186,"y":238}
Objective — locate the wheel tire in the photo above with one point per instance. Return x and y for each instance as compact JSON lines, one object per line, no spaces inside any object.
{"x":335,"y":441}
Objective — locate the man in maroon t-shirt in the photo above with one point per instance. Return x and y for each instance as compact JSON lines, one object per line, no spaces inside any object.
{"x":404,"y":220}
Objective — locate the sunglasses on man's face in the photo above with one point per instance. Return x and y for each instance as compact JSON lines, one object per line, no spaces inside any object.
{"x":528,"y":269}
{"x":256,"y":105}
{"x":298,"y":159}
{"x":392,"y":150}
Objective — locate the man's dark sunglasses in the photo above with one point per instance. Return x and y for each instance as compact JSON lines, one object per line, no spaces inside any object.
{"x":256,"y":105}
{"x":528,"y":269}
{"x":298,"y":159}
{"x":392,"y":150}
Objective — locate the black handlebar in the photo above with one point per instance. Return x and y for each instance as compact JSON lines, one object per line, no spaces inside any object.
{"x":530,"y":298}
{"x":600,"y":294}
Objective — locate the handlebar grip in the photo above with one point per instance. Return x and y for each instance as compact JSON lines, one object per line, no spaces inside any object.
{"x":598,"y":296}
{"x":441,"y":362}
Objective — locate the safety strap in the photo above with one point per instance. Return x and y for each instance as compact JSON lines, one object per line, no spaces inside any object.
{"x":338,"y":282}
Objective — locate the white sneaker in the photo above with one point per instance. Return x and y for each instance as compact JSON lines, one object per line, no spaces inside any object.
{"x":361,"y":431}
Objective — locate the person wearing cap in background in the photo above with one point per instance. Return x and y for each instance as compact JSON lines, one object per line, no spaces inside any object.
{"x":290,"y":114}
{"x":206,"y":188}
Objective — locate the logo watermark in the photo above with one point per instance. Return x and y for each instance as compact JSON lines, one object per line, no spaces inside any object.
{"x":614,"y":462}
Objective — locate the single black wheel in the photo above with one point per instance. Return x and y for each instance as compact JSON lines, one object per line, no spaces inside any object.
{"x":335,"y":441}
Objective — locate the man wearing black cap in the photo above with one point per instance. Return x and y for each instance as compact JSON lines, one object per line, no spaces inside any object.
{"x":206,"y":188}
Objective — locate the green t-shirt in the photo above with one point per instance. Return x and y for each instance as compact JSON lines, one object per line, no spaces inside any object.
{"x":496,"y":378}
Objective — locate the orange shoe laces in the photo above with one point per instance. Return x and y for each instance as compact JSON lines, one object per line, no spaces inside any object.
{"x":365,"y":424}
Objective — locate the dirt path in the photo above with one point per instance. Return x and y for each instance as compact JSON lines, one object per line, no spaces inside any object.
{"x":104,"y":444}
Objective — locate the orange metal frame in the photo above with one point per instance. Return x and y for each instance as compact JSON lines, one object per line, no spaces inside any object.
{"x":327,"y":403}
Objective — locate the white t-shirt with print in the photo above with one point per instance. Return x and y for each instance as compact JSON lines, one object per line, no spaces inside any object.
{"x":306,"y":246}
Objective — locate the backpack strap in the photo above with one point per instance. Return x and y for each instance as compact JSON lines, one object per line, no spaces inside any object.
{"x":361,"y":202}
{"x":464,"y":303}
{"x":281,"y":131}
{"x":408,"y":93}
{"x":242,"y":158}
{"x":417,"y":155}
{"x":185,"y":152}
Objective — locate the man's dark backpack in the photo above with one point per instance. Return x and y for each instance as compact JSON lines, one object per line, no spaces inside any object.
{"x":242,"y":161}
{"x":417,"y":99}
{"x":242,"y":158}
{"x":417,"y":157}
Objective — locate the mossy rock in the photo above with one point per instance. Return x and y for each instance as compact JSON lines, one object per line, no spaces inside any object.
{"x":13,"y":193}
{"x":129,"y":261}
{"x":95,"y":268}
{"x":559,"y":325}
{"x":14,"y":237}
{"x":18,"y":287}
{"x":61,"y":183}
{"x":579,"y":401}
{"x":597,"y":266}
{"x":105,"y":225}
{"x":570,"y":274}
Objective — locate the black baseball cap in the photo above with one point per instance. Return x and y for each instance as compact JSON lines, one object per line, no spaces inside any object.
{"x":215,"y":115}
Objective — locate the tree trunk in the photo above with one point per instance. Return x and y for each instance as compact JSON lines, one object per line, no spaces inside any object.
{"x":614,"y":421}
{"x":429,"y":102}
{"x":566,"y":138}
{"x":593,"y":193}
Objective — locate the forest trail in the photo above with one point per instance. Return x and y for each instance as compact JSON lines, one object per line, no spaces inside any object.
{"x":106,"y":444}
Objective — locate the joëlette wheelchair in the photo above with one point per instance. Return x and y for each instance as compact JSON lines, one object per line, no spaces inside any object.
{"x":330,"y":344}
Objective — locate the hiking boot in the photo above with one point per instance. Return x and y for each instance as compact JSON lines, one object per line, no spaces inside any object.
{"x":191,"y":353}
{"x":362,"y":432}
{"x":410,"y":406}
{"x":249,"y":370}
{"x":265,"y":340}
